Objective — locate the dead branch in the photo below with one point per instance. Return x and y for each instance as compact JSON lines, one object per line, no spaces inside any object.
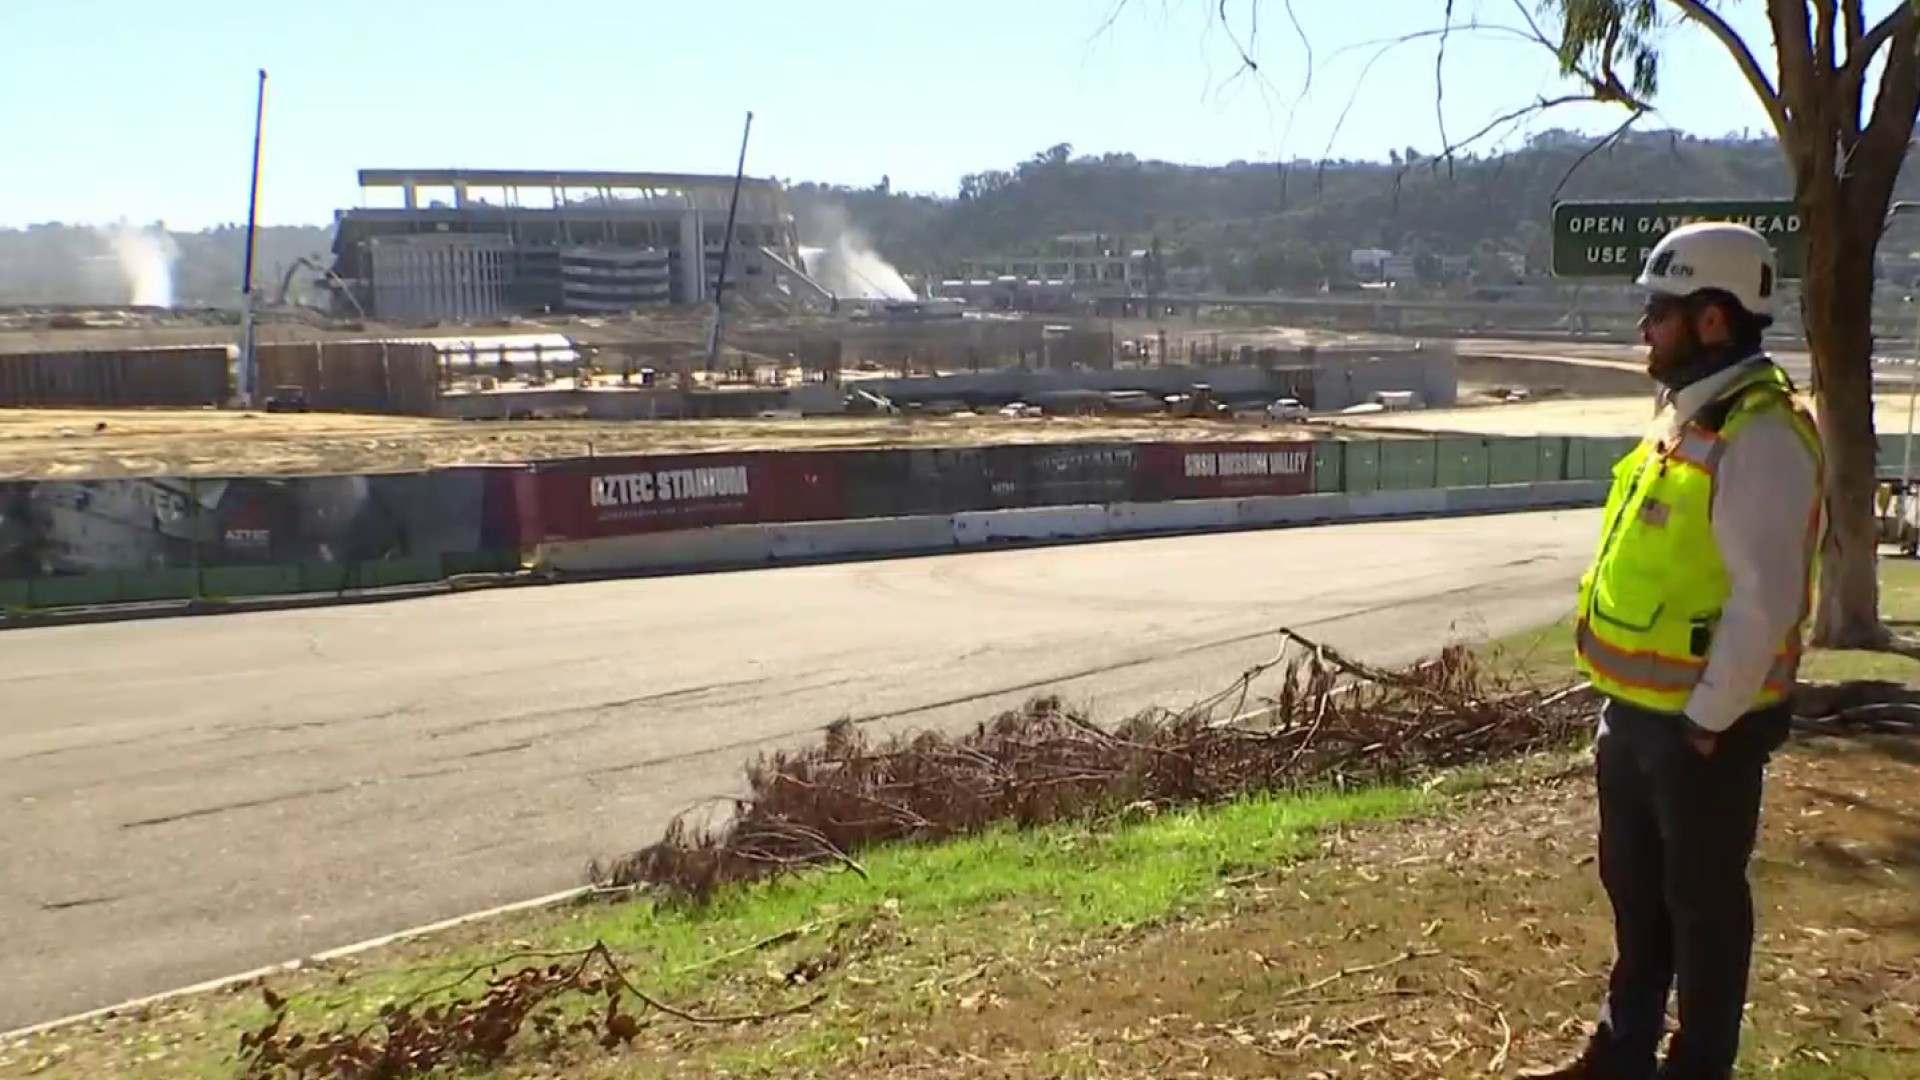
{"x":1612,"y":137}
{"x":1450,"y":149}
{"x":790,"y":934}
{"x":413,"y":1038}
{"x":1359,"y":969}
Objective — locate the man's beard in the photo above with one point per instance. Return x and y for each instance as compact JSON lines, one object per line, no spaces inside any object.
{"x":1678,"y":356}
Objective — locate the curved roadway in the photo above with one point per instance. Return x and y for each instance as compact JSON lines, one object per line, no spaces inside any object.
{"x":186,"y":798}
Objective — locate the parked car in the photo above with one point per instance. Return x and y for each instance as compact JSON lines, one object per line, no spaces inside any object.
{"x":1287,"y":409}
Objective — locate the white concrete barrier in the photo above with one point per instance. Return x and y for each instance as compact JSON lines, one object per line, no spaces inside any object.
{"x":1392,"y":504}
{"x":1030,"y":523}
{"x":1570,"y":493}
{"x":1124,"y":519}
{"x":1267,"y":510}
{"x":879,"y":536}
{"x":689,"y":549}
{"x":1491,"y":499}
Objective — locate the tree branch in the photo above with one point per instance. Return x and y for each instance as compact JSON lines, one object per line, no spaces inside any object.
{"x":1253,"y":36}
{"x":1860,"y":52}
{"x":1825,"y":16}
{"x":1853,"y":75}
{"x":1895,"y":106}
{"x":1586,"y":155}
{"x":1743,"y":56}
{"x":1387,"y":45}
{"x":1853,"y":13}
{"x":1440,"y":82}
{"x":1505,"y":119}
{"x":1306,"y":82}
{"x":1531,"y":37}
{"x":1533,"y":25}
{"x":1847,"y":90}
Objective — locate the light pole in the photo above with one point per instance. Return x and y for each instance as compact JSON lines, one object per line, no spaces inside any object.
{"x":248,"y":375}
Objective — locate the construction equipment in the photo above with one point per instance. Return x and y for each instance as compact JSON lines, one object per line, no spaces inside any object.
{"x":1198,"y":403}
{"x":288,"y":399}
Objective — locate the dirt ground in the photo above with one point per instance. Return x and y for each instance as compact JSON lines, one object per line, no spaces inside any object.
{"x":83,"y":443}
{"x":43,"y":444}
{"x":1467,"y":943}
{"x":61,"y":443}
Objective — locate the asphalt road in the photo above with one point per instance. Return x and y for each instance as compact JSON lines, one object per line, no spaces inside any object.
{"x":187,"y":798}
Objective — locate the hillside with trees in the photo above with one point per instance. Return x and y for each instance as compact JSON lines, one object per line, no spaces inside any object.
{"x":1259,"y":227}
{"x":1252,"y":227}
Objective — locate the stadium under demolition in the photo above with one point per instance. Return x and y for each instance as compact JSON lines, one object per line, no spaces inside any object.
{"x":484,"y":244}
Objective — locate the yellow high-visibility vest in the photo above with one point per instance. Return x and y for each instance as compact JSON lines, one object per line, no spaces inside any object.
{"x":1651,"y":600}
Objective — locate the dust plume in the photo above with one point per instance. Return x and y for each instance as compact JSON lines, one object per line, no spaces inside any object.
{"x":146,"y":256}
{"x":846,"y":265}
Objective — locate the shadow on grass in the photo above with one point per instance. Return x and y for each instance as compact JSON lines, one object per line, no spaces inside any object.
{"x":1875,"y":715}
{"x":1871,"y":834}
{"x":1894,"y":843}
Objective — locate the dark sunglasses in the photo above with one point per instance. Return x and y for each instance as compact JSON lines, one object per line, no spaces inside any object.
{"x":1661,"y":308}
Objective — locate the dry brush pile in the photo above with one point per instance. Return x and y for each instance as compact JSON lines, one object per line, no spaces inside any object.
{"x":1333,"y":721}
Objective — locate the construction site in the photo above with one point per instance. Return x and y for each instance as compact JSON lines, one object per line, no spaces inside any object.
{"x":473,"y":316}
{"x":571,"y":304}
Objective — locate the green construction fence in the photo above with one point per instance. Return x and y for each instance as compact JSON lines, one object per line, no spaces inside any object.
{"x":1359,"y":466}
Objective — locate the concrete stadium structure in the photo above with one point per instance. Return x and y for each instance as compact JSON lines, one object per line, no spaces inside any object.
{"x":467,"y":244}
{"x":1327,"y":378}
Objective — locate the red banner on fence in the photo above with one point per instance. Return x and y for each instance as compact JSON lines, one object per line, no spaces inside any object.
{"x":805,"y":485}
{"x":587,"y":499}
{"x":1222,"y":470}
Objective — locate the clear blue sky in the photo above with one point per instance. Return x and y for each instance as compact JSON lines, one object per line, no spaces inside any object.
{"x":143,"y":108}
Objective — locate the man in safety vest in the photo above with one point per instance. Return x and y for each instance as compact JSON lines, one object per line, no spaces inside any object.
{"x":1689,"y":626}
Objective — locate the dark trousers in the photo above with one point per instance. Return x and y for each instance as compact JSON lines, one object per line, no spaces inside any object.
{"x":1677,"y":829}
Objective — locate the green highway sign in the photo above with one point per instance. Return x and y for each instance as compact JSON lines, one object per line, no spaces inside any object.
{"x":1611,"y":238}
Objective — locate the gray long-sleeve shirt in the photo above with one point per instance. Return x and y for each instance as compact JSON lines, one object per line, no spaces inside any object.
{"x":1765,"y":495}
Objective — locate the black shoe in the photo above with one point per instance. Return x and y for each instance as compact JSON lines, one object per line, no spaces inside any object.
{"x":1588,"y":1066}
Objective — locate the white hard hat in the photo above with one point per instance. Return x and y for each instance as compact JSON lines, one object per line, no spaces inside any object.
{"x":1735,"y":259}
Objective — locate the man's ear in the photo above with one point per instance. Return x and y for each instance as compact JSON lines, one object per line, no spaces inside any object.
{"x":1712,"y":324}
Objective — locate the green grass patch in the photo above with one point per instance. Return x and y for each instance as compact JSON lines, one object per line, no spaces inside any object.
{"x":1076,"y":876}
{"x":1055,"y":883}
{"x":1816,"y":1063}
